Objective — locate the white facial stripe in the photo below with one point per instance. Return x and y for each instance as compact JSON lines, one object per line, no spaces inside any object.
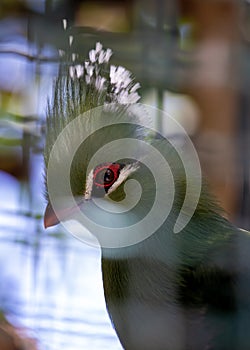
{"x":89,"y":185}
{"x":124,"y":174}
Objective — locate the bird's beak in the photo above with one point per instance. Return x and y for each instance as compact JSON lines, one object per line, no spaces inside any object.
{"x":51,"y":218}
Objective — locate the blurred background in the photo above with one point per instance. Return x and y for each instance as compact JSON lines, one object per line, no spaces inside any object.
{"x":192,"y":59}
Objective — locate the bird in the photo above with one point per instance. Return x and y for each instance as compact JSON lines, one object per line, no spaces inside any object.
{"x":165,"y":288}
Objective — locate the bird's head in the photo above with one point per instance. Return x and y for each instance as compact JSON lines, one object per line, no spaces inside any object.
{"x":105,"y":166}
{"x":92,"y":121}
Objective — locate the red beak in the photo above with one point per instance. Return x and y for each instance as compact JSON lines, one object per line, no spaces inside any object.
{"x":51,"y":219}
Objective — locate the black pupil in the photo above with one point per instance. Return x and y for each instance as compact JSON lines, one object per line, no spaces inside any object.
{"x":108,"y":176}
{"x":105,"y":176}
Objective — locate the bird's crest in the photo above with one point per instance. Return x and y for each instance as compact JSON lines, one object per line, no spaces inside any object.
{"x":83,"y":84}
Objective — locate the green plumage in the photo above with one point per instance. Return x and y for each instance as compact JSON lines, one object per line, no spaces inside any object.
{"x":170,"y":291}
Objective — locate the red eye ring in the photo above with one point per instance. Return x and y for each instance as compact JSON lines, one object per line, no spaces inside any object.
{"x":106,"y":174}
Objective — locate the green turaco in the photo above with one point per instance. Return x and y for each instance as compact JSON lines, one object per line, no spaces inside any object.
{"x":163,"y":289}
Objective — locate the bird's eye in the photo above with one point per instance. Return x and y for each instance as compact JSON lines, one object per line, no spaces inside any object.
{"x":106,"y":174}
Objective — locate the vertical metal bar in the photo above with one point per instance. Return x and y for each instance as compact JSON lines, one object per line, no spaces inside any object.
{"x":160,"y":18}
{"x":166,"y":19}
{"x":244,"y":153}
